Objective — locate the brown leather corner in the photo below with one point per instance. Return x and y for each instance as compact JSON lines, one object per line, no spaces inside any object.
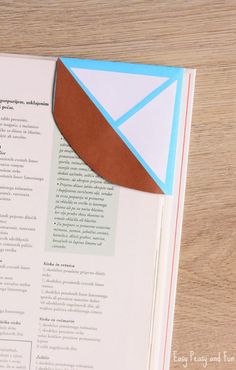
{"x":93,"y":139}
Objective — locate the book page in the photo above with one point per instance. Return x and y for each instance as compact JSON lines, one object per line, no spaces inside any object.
{"x":78,"y":255}
{"x":169,"y":250}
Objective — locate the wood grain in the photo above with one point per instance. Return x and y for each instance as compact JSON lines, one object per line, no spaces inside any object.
{"x":199,"y":34}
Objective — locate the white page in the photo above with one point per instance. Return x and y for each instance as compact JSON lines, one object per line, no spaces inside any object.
{"x":77,"y":262}
{"x":169,"y":248}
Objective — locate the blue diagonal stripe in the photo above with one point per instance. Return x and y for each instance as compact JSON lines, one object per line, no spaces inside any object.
{"x":145,"y":101}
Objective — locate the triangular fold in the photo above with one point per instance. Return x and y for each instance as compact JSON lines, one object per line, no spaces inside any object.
{"x":117,"y":92}
{"x":151,"y":137}
{"x":92,"y":137}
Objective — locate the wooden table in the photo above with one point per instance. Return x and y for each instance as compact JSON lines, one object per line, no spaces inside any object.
{"x":195,"y":33}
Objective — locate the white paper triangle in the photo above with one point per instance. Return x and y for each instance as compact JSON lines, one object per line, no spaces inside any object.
{"x":150,"y":129}
{"x":117,"y":92}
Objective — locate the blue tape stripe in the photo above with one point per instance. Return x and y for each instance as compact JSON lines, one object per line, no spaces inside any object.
{"x":132,"y":68}
{"x":174,"y":137}
{"x":145,"y":101}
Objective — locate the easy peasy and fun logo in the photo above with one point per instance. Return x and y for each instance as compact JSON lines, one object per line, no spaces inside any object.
{"x":202,"y":361}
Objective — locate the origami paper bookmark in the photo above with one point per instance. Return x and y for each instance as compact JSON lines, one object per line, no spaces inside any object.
{"x":121,"y":119}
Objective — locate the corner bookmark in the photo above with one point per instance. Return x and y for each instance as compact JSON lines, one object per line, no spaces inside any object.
{"x":121,"y":119}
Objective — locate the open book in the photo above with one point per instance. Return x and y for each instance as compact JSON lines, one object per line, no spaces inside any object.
{"x":88,"y":268}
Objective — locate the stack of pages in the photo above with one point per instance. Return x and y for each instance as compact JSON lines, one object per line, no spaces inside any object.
{"x":93,"y":160}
